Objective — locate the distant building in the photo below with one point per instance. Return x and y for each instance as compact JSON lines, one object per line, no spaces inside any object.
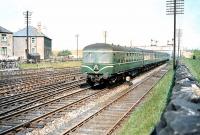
{"x":38,"y":43}
{"x":187,"y":53}
{"x":6,"y":42}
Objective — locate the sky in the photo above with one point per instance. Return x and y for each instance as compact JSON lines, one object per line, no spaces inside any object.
{"x":138,"y":21}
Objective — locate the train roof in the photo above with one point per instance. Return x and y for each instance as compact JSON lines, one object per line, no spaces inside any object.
{"x":111,"y":47}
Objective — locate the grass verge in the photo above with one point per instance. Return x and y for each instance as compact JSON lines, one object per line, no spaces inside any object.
{"x":146,"y":115}
{"x":49,"y":64}
{"x":193,"y":66}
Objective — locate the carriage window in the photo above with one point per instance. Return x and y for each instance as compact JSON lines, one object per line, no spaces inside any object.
{"x":136,"y":56}
{"x":104,"y":57}
{"x":88,"y":57}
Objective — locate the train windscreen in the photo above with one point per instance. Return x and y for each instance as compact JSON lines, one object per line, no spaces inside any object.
{"x":97,"y":57}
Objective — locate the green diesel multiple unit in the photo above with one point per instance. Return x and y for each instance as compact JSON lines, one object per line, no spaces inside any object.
{"x":107,"y":63}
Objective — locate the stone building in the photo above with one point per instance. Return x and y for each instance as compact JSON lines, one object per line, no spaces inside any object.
{"x":6,"y":42}
{"x":38,"y":43}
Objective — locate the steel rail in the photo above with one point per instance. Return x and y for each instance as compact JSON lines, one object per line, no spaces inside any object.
{"x":51,"y":112}
{"x":57,"y":91}
{"x":35,"y":91}
{"x":37,"y":83}
{"x":28,"y":79}
{"x":10,"y":80}
{"x":111,"y":129}
{"x":81,"y":123}
{"x":24,"y":72}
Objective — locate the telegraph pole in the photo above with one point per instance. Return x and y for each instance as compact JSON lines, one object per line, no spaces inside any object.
{"x":179,"y":40}
{"x":131,"y":43}
{"x":27,"y":15}
{"x":175,"y":7}
{"x":105,"y":35}
{"x":156,"y":42}
{"x":77,"y":45}
{"x":151,"y":42}
{"x":174,"y":60}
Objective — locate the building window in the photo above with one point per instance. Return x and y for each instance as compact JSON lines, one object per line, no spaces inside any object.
{"x":4,"y":51}
{"x":33,"y":40}
{"x":3,"y":37}
{"x":33,"y":50}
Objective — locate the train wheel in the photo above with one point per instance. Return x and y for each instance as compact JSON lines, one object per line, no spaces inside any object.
{"x":91,"y":83}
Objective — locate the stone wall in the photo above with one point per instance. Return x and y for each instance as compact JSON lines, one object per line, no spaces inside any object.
{"x":182,"y":114}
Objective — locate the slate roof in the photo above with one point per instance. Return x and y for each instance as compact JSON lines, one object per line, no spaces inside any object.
{"x":33,"y":32}
{"x":3,"y":30}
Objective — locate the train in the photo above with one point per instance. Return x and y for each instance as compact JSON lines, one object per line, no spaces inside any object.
{"x":107,"y":63}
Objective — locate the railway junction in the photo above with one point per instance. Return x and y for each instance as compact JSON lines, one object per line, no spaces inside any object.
{"x":100,"y":67}
{"x":63,"y":103}
{"x":27,"y":105}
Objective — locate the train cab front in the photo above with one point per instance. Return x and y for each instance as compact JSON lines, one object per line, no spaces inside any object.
{"x":97,"y":63}
{"x":94,"y":79}
{"x":91,"y":73}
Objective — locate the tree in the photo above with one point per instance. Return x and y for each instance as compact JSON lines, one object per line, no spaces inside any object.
{"x":196,"y":54}
{"x":64,"y":53}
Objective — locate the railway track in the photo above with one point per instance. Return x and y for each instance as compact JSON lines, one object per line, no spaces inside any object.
{"x":102,"y":119}
{"x":105,"y":118}
{"x":36,"y":81}
{"x":26,"y":72}
{"x":16,"y":99}
{"x":21,"y":101}
{"x":46,"y":112}
{"x":34,"y":84}
{"x":12,"y":79}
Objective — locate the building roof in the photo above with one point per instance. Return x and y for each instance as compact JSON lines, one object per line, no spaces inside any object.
{"x":3,"y":30}
{"x":32,"y":31}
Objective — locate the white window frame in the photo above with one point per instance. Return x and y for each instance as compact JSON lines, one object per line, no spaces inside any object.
{"x":4,"y":51}
{"x":33,"y":39}
{"x":4,"y":37}
{"x":33,"y":50}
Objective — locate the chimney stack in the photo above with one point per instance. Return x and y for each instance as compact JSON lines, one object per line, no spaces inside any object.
{"x":39,"y":27}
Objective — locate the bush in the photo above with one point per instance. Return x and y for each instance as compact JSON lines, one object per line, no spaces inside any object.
{"x":196,"y":54}
{"x":64,"y":53}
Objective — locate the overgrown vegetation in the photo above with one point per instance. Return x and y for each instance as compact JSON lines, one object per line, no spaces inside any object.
{"x":64,"y":53}
{"x":49,"y":64}
{"x":193,"y":65}
{"x":196,"y":54}
{"x":146,"y":116}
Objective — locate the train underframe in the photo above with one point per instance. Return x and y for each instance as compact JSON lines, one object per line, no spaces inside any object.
{"x":93,"y":79}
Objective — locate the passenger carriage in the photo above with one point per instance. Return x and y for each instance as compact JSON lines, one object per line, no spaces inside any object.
{"x":108,"y":63}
